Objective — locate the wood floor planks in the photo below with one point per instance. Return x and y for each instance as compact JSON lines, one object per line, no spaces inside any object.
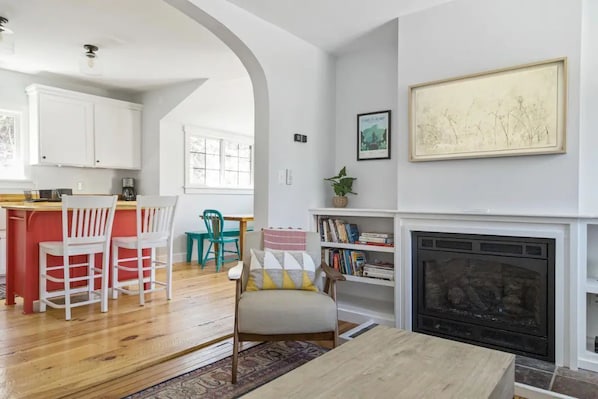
{"x":42,"y":355}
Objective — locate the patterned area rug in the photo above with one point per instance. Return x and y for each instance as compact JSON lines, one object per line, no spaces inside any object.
{"x":2,"y":291}
{"x":257,"y":366}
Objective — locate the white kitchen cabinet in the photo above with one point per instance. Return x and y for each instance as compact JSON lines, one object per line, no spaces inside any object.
{"x":76,"y":129}
{"x":117,"y":132}
{"x":63,"y":130}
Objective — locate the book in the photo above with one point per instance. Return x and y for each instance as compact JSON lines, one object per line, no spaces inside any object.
{"x":382,"y":244}
{"x":332,"y":226}
{"x":352,"y":232}
{"x":357,"y":261}
{"x":378,"y":274}
{"x":342,"y":232}
{"x":379,"y":235}
{"x":376,"y":239}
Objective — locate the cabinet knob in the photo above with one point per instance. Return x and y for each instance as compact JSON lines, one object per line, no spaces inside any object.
{"x":97,"y":161}
{"x":43,"y":157}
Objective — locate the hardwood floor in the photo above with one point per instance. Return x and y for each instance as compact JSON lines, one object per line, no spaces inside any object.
{"x":114,"y":354}
{"x":44,"y":356}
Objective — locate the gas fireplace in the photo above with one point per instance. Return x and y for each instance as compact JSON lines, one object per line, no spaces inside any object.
{"x":493,"y":291}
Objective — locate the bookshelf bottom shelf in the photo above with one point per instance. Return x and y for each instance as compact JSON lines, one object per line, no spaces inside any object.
{"x":356,"y":309}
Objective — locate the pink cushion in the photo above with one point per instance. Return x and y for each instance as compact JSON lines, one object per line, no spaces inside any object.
{"x":284,"y":239}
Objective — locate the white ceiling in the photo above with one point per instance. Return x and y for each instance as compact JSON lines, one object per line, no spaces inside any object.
{"x":146,"y":43}
{"x":142,"y":43}
{"x":332,"y":24}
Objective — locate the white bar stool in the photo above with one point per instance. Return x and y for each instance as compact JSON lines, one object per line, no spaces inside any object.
{"x":155,"y":227}
{"x":87,"y":234}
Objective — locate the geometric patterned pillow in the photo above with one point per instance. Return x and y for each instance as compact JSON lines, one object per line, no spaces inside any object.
{"x":281,"y":270}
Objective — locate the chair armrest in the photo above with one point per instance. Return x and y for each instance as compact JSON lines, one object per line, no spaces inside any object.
{"x":236,"y":272}
{"x":331,"y":273}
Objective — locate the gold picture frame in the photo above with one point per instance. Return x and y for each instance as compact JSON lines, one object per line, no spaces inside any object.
{"x":512,"y":111}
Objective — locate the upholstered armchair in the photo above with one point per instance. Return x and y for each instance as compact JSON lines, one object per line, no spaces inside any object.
{"x":266,"y":313}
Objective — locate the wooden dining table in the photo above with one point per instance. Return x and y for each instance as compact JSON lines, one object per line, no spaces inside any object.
{"x":242,"y":219}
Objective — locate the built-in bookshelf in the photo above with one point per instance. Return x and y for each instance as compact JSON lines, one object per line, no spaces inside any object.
{"x":360,"y":243}
{"x":588,"y":356}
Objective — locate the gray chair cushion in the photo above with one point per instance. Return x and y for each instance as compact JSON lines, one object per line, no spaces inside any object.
{"x":286,"y":312}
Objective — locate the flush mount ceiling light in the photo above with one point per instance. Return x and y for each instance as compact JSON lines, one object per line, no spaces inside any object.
{"x":7,"y":43}
{"x":90,"y":64}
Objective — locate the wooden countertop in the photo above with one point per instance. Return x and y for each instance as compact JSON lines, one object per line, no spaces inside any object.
{"x":56,"y":206}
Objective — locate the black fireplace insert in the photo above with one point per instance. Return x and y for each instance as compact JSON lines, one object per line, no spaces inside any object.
{"x":493,"y":291}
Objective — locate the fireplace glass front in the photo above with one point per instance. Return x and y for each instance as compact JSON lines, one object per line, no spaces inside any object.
{"x":495,"y":291}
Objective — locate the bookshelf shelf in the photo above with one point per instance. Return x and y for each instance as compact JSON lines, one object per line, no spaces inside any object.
{"x":370,"y":309}
{"x":369,"y":280}
{"x":361,"y":299}
{"x":359,"y":247}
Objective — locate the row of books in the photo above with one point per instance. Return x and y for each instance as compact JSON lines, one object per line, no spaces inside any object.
{"x":354,"y":263}
{"x":345,"y":261}
{"x":337,"y":230}
{"x":381,"y":270}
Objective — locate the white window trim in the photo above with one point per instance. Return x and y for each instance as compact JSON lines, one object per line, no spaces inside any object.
{"x":218,"y":134}
{"x":21,"y":180}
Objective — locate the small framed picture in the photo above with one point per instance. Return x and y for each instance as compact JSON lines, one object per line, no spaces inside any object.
{"x":373,"y":135}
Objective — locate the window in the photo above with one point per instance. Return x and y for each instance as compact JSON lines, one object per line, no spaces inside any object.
{"x":218,"y":161}
{"x":11,"y":146}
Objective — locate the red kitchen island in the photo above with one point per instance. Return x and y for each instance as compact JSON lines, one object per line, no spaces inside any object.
{"x":28,"y":224}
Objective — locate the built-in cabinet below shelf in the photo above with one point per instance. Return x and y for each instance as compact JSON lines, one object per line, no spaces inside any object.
{"x":359,"y":298}
{"x":76,"y":129}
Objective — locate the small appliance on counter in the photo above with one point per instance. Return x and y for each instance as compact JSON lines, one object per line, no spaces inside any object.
{"x":47,"y":195}
{"x":129,"y":193}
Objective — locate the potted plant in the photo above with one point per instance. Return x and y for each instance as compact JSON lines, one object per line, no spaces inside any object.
{"x":342,"y":185}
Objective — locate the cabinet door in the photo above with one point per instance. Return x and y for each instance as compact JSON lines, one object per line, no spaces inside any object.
{"x":65,"y":131}
{"x":117,"y":136}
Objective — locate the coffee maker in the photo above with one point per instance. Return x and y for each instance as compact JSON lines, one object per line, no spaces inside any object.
{"x":129,"y":193}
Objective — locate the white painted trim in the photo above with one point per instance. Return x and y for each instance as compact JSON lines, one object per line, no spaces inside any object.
{"x":218,"y":190}
{"x":530,"y":392}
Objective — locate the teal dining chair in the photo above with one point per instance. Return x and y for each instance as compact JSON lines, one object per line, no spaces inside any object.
{"x":215,"y":225}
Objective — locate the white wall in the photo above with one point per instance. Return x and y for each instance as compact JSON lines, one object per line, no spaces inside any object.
{"x":588,"y":156}
{"x":366,"y":81}
{"x":470,"y":36}
{"x":219,"y":104}
{"x":222,"y":104}
{"x":95,"y":181}
{"x":156,"y":105}
{"x":293,"y":83}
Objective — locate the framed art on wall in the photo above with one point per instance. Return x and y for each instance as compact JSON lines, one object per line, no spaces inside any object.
{"x":373,"y":135}
{"x":513,"y":111}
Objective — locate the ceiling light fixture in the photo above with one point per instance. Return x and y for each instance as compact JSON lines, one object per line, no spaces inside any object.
{"x":7,"y":42}
{"x":4,"y":29}
{"x":90,"y":64}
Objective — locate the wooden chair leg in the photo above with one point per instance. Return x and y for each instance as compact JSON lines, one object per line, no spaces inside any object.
{"x":43,"y":260}
{"x":235,"y":357}
{"x":140,"y":277}
{"x":114,"y":272}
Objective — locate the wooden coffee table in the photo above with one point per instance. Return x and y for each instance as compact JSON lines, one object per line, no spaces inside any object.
{"x":391,"y":363}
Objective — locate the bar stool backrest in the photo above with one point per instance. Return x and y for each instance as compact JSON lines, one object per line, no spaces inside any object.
{"x":91,"y":219}
{"x":155,"y":217}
